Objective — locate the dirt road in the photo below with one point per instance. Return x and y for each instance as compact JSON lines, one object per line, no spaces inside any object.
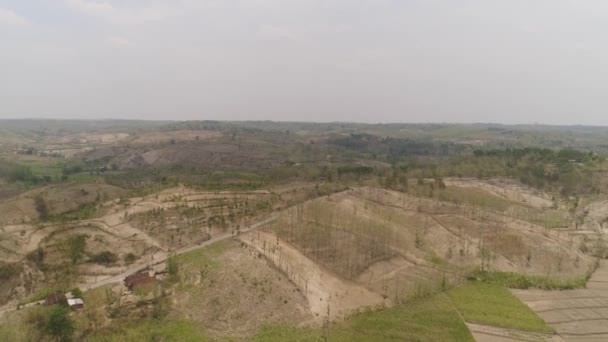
{"x":161,"y":257}
{"x":156,"y":259}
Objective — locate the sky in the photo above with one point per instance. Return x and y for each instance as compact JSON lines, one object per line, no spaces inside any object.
{"x":510,"y":61}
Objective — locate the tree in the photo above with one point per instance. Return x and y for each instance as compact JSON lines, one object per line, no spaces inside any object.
{"x":41,"y":208}
{"x":172,"y":268}
{"x":36,"y":256}
{"x":76,"y":247}
{"x":76,"y":293}
{"x":60,"y":326}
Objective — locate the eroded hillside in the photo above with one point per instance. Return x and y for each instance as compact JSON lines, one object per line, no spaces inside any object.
{"x":247,"y":232}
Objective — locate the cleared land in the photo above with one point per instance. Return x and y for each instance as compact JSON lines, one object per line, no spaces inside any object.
{"x":363,"y":228}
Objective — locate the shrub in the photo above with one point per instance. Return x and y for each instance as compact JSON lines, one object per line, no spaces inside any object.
{"x":8,"y":271}
{"x":76,"y":293}
{"x":36,"y":256}
{"x":172,"y":268}
{"x":60,"y":326}
{"x":524,"y":281}
{"x":105,"y":258}
{"x":76,"y":247}
{"x":41,"y":208}
{"x":129,"y":258}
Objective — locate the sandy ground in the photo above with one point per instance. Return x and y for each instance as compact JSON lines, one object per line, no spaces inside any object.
{"x":242,"y":294}
{"x":577,"y":315}
{"x":325,"y":291}
{"x":597,"y":213}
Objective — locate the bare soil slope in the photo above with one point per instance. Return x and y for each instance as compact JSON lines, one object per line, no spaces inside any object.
{"x":57,"y":200}
{"x":398,"y":245}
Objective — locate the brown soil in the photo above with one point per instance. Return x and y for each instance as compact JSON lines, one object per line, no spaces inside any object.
{"x":326,"y":292}
{"x":58,"y":199}
{"x":505,"y":188}
{"x":240,"y":295}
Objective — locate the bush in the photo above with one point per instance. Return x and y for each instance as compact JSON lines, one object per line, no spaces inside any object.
{"x":104,"y":258}
{"x":41,"y":208}
{"x":129,"y":258}
{"x":36,"y":256}
{"x":60,"y":326}
{"x":8,"y":271}
{"x":524,"y":281}
{"x":76,"y":247}
{"x":172,"y":268}
{"x":76,"y":293}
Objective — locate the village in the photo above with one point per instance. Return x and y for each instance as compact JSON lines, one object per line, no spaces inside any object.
{"x":141,"y":282}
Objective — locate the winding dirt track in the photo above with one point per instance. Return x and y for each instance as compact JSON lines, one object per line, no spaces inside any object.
{"x":158,"y":258}
{"x":162,"y":257}
{"x":577,"y":315}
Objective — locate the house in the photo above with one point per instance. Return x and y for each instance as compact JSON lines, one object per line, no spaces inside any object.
{"x":139,"y":279}
{"x":76,"y":303}
{"x":55,"y":298}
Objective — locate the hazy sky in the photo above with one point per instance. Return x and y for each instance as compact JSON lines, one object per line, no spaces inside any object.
{"x":507,"y":61}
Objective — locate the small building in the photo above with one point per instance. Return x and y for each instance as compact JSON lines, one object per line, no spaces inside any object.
{"x":139,"y":279}
{"x":76,"y":303}
{"x":55,"y":298}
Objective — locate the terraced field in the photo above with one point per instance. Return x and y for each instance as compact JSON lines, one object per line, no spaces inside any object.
{"x":577,"y":315}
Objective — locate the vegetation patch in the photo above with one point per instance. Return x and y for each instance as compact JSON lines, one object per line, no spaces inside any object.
{"x":427,"y":319}
{"x":202,"y":257}
{"x":8,"y":271}
{"x":151,"y":330}
{"x":493,"y":304}
{"x":524,"y":281}
{"x":279,"y":332}
{"x":104,"y":258}
{"x":85,"y":211}
{"x":199,"y":262}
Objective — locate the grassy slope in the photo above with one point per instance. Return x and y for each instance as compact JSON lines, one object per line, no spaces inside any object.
{"x":151,"y":330}
{"x":428,"y":319}
{"x":493,"y":304}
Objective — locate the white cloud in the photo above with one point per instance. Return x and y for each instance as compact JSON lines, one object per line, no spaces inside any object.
{"x":91,"y":7}
{"x":120,"y":15}
{"x":270,"y":32}
{"x":8,"y":17}
{"x":118,"y":41}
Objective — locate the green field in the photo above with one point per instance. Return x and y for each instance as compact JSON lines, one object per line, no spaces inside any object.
{"x":493,"y":304}
{"x":427,"y":319}
{"x":152,"y":330}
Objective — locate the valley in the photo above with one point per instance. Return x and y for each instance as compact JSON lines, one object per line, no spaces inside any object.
{"x":301,"y":232}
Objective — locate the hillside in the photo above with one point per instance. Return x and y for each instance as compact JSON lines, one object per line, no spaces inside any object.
{"x":260,"y":231}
